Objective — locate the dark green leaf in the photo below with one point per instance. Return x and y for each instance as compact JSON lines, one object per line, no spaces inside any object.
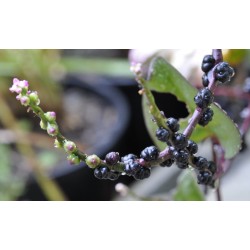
{"x":187,"y":188}
{"x":164,"y":78}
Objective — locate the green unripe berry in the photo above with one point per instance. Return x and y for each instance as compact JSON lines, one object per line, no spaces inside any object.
{"x":50,"y":116}
{"x":93,"y":161}
{"x":73,"y":159}
{"x":52,"y":129}
{"x":69,"y":146}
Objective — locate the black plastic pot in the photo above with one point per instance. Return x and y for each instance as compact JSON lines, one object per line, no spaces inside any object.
{"x":78,"y":182}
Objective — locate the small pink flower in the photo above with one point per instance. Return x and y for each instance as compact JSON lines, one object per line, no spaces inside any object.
{"x":25,"y":100}
{"x":18,"y":85}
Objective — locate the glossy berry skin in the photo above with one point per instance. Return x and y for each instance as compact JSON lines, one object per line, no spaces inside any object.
{"x":212,"y":167}
{"x":180,"y":141}
{"x":204,"y":98}
{"x":131,"y":167}
{"x":208,"y":63}
{"x":150,"y":153}
{"x":223,"y":72}
{"x":181,"y":156}
{"x":204,"y":177}
{"x":182,"y":165}
{"x":128,"y":158}
{"x":101,"y":172}
{"x":200,"y":162}
{"x":112,"y":158}
{"x":192,"y":147}
{"x":167,"y":163}
{"x":162,"y":134}
{"x":206,"y":117}
{"x":173,"y":124}
{"x":113,"y":175}
{"x":143,"y":173}
{"x":205,"y":80}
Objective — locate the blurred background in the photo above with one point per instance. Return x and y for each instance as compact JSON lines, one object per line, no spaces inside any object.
{"x":96,"y":100}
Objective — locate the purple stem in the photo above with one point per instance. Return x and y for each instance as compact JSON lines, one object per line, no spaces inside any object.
{"x":164,"y":155}
{"x":217,"y":54}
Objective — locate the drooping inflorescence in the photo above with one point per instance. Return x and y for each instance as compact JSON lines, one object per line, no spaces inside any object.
{"x":179,"y":148}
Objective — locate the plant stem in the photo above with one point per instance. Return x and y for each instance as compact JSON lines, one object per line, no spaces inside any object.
{"x":217,"y":54}
{"x":218,"y":193}
{"x":159,"y":119}
{"x":49,"y":187}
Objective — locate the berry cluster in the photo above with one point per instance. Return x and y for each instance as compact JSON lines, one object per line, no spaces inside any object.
{"x":182,"y":151}
{"x":179,"y":148}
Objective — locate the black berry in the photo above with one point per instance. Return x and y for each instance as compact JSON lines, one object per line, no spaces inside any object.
{"x":200,"y":162}
{"x":180,"y":141}
{"x":181,"y":156}
{"x":162,"y":134}
{"x":167,"y":163}
{"x":143,"y":173}
{"x":182,"y":165}
{"x":131,"y":167}
{"x":205,"y":80}
{"x":192,"y":147}
{"x":128,"y":157}
{"x":204,"y":177}
{"x":172,"y":151}
{"x":208,"y":63}
{"x":101,"y":172}
{"x":212,"y":167}
{"x":173,"y":124}
{"x":204,"y":98}
{"x":223,"y":72}
{"x":112,"y":158}
{"x":206,"y":117}
{"x":150,"y":153}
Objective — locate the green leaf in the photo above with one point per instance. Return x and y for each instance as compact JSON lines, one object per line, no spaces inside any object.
{"x":187,"y":188}
{"x":164,"y":78}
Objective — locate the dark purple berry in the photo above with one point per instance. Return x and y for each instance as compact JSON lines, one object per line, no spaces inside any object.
{"x":204,"y":177}
{"x":167,"y":163}
{"x":101,"y":172}
{"x":112,"y":158}
{"x":128,"y":157}
{"x":205,"y":80}
{"x":113,"y":175}
{"x":208,"y":63}
{"x":181,"y":156}
{"x":200,"y":162}
{"x":173,"y":124}
{"x":162,"y":134}
{"x":206,"y":117}
{"x":131,"y":167}
{"x":192,"y":147}
{"x":204,"y":98}
{"x":212,"y":167}
{"x":180,"y":141}
{"x":223,"y":72}
{"x":143,"y":173}
{"x":150,"y":153}
{"x":182,"y":165}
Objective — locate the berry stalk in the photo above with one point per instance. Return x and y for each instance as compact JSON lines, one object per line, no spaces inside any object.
{"x":217,"y":55}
